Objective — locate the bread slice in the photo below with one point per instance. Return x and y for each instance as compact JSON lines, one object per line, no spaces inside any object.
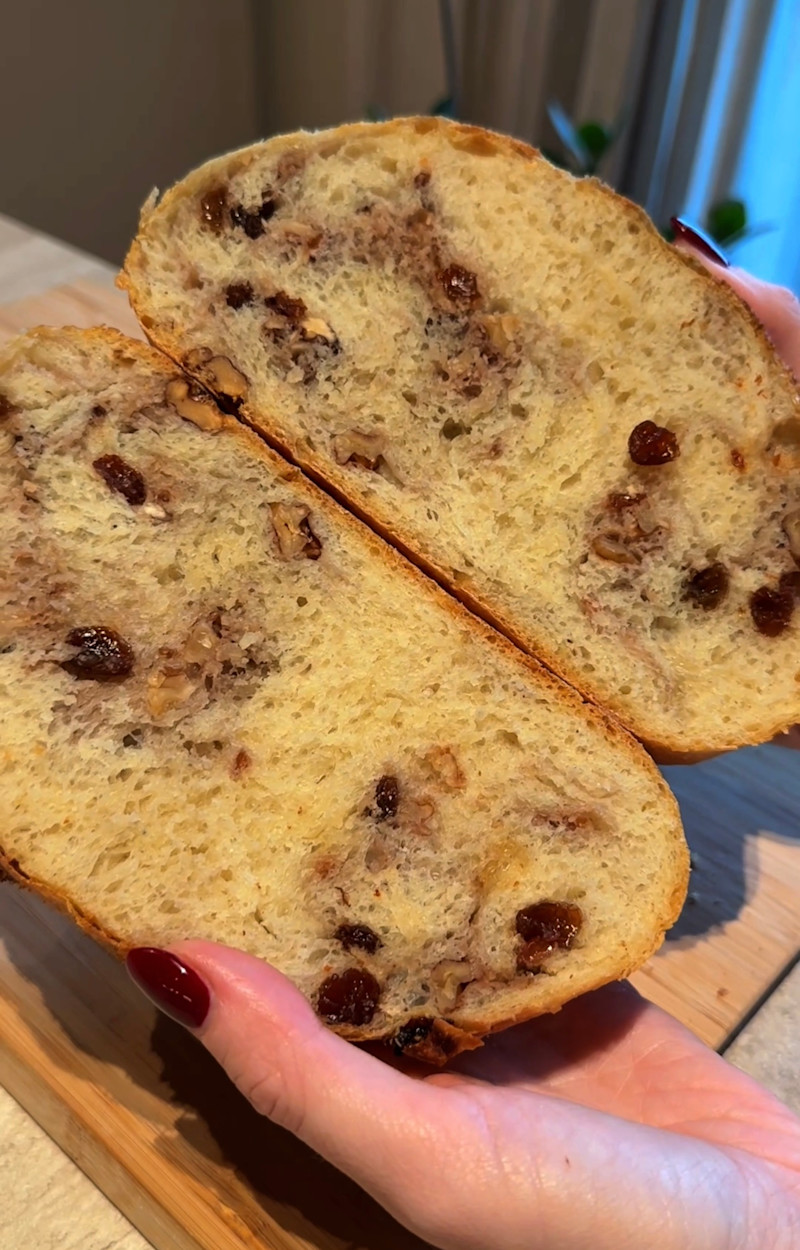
{"x":472,"y":349}
{"x":230,"y":711}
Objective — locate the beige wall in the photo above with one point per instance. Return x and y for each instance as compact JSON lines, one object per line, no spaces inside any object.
{"x":102,"y":99}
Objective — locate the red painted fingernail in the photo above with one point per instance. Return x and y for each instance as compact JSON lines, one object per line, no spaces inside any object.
{"x":697,"y":239}
{"x":177,"y":990}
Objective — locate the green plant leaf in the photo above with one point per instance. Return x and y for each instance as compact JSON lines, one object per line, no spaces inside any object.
{"x":443,"y":107}
{"x":596,"y":138}
{"x":726,"y":220}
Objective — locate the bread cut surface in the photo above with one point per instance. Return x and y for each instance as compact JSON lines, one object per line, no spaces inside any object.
{"x":514,"y":378}
{"x":227,"y":710}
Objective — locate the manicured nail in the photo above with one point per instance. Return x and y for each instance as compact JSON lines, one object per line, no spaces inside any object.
{"x":697,"y":239}
{"x":175,"y":989}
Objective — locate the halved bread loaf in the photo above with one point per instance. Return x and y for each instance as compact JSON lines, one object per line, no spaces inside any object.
{"x":228,"y":710}
{"x":510,"y":374}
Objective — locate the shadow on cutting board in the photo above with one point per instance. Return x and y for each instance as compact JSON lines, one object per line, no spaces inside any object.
{"x":200,"y":1122}
{"x":188,"y":1109}
{"x":724,"y":802}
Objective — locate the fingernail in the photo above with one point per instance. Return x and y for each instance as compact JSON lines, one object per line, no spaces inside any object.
{"x":698,"y":240}
{"x":177,"y":990}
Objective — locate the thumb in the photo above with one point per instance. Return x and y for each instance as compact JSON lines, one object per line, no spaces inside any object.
{"x":380,"y":1127}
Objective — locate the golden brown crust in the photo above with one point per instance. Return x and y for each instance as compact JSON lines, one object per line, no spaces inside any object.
{"x":443,"y":1040}
{"x":675,"y":749}
{"x":10,"y":870}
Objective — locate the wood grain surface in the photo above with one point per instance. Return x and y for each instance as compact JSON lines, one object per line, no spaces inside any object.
{"x":138,"y":1104}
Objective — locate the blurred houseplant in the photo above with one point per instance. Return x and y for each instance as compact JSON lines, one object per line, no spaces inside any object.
{"x":584,"y":147}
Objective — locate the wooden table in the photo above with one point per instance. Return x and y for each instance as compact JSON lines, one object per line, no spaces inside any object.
{"x":726,"y":971}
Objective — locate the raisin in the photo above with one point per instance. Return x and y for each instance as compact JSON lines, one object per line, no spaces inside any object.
{"x":460,"y":286}
{"x":6,"y":407}
{"x":268,"y":207}
{"x":387,"y":797}
{"x":790,"y":582}
{"x":293,"y":309}
{"x":737,"y":459}
{"x":358,"y":935}
{"x":706,"y":588}
{"x":121,"y":477}
{"x":651,"y":444}
{"x":212,"y":208}
{"x":544,"y":927}
{"x":349,"y":997}
{"x":251,"y":223}
{"x":771,"y":610}
{"x":422,"y":179}
{"x":99,"y":411}
{"x":238,"y":294}
{"x":411,"y":1033}
{"x":102,"y":656}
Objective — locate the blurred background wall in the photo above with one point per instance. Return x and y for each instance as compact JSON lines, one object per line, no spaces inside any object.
{"x":698,"y":100}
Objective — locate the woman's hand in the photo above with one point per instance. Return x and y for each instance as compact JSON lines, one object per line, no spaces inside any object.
{"x":608,"y":1126}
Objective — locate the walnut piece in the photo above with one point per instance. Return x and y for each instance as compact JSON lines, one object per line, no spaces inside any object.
{"x":293,"y":532}
{"x":226,"y":377}
{"x":192,"y":403}
{"x":612,"y":549}
{"x":445,"y":768}
{"x":366,"y":450}
{"x":166,"y":691}
{"x":316,"y":328}
{"x":447,"y":979}
{"x":501,"y":330}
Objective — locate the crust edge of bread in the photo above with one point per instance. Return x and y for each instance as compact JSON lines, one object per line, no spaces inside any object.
{"x":446,"y":1039}
{"x":665,"y":748}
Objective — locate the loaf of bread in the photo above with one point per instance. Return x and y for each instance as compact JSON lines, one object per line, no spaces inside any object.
{"x":513,"y":377}
{"x":230,"y":711}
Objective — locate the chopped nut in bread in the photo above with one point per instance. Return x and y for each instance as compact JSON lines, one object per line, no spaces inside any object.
{"x":360,"y":783}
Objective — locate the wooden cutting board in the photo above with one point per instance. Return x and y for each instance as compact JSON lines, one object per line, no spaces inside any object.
{"x":140,"y":1107}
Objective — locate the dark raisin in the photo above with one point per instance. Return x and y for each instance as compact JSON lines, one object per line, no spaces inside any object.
{"x":294,"y":309}
{"x":212,"y":208}
{"x":422,"y":179}
{"x":460,"y":286}
{"x":349,"y":997}
{"x":238,"y":294}
{"x":238,"y":215}
{"x":544,"y":927}
{"x":358,"y":935}
{"x":651,"y":444}
{"x":387,"y":797}
{"x":121,"y":477}
{"x":253,"y":225}
{"x":737,"y":459}
{"x":268,"y":207}
{"x":790,"y":582}
{"x":454,"y":429}
{"x":771,"y":610}
{"x":6,"y":407}
{"x":707,"y":588}
{"x":102,"y":656}
{"x":411,"y":1033}
{"x":99,"y":411}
